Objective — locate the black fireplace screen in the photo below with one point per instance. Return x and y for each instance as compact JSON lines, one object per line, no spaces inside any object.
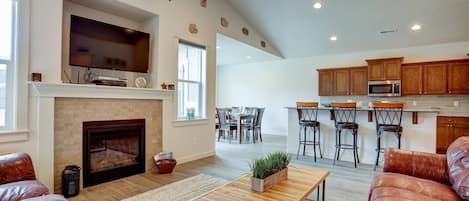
{"x":112,"y":150}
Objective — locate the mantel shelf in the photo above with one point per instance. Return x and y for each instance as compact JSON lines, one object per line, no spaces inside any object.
{"x":52,"y":90}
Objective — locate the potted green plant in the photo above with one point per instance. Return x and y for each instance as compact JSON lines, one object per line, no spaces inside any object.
{"x":268,"y":171}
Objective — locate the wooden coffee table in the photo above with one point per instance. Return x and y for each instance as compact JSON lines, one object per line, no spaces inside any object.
{"x":300,"y":183}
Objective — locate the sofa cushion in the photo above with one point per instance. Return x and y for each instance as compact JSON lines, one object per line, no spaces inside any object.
{"x":412,"y":185}
{"x":458,"y":166}
{"x":51,"y":197}
{"x":397,"y":194}
{"x":22,"y":189}
{"x":16,"y":167}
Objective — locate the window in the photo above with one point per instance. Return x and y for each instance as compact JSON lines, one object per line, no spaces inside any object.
{"x":8,"y":21}
{"x":191,"y":81}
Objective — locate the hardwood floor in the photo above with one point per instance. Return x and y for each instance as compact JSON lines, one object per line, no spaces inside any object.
{"x":231,"y":162}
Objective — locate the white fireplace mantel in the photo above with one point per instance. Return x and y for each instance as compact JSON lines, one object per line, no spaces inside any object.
{"x":42,"y":102}
{"x":52,"y":90}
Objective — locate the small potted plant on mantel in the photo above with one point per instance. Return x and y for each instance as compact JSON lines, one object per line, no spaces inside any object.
{"x":268,"y":171}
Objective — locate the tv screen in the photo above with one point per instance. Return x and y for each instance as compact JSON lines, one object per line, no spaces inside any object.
{"x":99,"y":45}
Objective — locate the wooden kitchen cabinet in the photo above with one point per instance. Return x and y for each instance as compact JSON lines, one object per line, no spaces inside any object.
{"x":341,"y":82}
{"x":412,"y":83}
{"x":458,"y":78}
{"x":325,"y":85}
{"x":449,"y":129}
{"x":359,"y":81}
{"x":384,"y":69}
{"x":435,"y":79}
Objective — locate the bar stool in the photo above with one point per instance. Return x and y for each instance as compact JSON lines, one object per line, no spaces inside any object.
{"x":308,"y":118}
{"x":388,"y":119}
{"x":344,"y":118}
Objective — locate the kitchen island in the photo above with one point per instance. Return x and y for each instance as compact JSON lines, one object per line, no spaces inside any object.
{"x":418,"y":134}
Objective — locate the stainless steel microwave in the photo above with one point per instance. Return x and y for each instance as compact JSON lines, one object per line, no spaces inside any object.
{"x":384,"y":88}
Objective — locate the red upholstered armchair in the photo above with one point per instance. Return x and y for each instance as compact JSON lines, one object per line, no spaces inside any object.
{"x":410,"y":175}
{"x":17,"y":178}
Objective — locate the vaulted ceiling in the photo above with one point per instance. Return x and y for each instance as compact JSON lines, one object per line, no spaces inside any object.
{"x":299,"y":30}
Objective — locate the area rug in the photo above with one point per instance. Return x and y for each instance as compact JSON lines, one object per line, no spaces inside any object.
{"x":183,"y":190}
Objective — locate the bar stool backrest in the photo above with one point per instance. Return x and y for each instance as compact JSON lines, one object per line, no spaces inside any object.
{"x":388,"y":113}
{"x":307,"y":111}
{"x":344,"y":112}
{"x":222,"y":115}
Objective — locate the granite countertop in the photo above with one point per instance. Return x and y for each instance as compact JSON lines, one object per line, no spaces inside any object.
{"x":454,"y":114}
{"x":364,"y":108}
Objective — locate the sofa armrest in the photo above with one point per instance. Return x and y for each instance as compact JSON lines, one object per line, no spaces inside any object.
{"x":417,"y":164}
{"x":16,"y":167}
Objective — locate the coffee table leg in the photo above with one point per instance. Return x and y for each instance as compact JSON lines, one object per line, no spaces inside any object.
{"x":323,"y":190}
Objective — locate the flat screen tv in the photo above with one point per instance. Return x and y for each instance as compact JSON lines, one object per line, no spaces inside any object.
{"x":96,"y":44}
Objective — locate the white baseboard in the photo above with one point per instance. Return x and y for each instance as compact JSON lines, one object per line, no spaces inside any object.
{"x":194,"y":157}
{"x":274,"y":132}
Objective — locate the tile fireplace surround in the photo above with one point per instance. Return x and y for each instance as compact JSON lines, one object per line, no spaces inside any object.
{"x":58,"y":111}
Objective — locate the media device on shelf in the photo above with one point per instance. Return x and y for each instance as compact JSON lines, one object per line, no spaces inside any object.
{"x":96,"y":44}
{"x":109,"y":81}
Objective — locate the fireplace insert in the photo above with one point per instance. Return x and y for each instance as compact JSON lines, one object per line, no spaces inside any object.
{"x":112,"y":150}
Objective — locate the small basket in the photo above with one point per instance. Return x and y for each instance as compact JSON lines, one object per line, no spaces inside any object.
{"x":165,"y":166}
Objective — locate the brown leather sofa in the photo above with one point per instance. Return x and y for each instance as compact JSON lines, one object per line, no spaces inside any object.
{"x":18,"y":181}
{"x":410,"y":175}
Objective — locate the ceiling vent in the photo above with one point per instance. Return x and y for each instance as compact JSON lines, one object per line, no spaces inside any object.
{"x":388,"y":31}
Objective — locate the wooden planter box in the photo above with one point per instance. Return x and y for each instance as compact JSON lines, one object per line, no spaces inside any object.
{"x":261,"y":185}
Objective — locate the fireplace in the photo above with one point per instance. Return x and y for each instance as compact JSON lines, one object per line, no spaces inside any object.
{"x":112,"y":150}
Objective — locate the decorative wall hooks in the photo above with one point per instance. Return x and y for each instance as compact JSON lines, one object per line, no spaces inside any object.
{"x":203,"y":3}
{"x":193,"y":29}
{"x":224,"y":22}
{"x":245,"y":31}
{"x":263,"y":44}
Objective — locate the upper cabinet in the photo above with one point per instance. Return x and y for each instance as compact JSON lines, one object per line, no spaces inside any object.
{"x":326,"y":79}
{"x":343,"y":81}
{"x":359,"y":81}
{"x":412,"y":83}
{"x":435,"y":79}
{"x":384,"y":69}
{"x":422,"y":78}
{"x":458,"y":77}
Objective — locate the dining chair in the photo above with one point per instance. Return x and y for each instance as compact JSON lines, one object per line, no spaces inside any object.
{"x":258,"y":123}
{"x":249,"y":123}
{"x":388,"y":117}
{"x":226,"y":124}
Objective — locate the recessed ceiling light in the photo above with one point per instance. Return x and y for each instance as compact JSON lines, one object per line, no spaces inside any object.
{"x":416,"y":27}
{"x":333,"y":38}
{"x":317,"y":5}
{"x":218,"y":47}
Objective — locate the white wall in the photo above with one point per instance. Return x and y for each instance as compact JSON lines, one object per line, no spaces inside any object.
{"x":189,"y":141}
{"x":278,"y":84}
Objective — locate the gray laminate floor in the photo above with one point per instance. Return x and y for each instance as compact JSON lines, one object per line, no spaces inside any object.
{"x":231,"y":162}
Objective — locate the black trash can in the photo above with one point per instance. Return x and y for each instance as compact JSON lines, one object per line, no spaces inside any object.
{"x":71,"y":181}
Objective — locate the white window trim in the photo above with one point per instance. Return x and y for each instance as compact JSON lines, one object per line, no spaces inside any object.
{"x":198,"y":120}
{"x":20,"y":125}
